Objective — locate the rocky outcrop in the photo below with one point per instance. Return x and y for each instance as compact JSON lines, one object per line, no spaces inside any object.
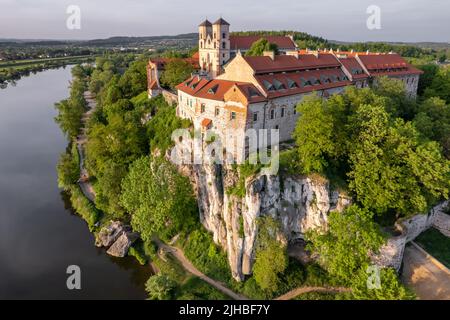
{"x":123,"y":243}
{"x":298,"y":203}
{"x":110,"y":233}
{"x":117,"y":237}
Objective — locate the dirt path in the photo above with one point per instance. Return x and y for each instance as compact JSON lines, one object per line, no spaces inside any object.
{"x":85,"y":185}
{"x":428,"y":279}
{"x":187,"y":265}
{"x":296,"y":292}
{"x":179,"y":255}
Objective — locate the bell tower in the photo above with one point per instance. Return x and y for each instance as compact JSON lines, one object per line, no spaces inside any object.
{"x":214,"y":46}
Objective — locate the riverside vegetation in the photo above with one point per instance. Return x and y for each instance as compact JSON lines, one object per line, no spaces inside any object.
{"x":390,"y":154}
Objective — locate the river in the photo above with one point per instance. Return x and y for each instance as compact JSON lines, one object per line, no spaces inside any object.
{"x":40,"y":236}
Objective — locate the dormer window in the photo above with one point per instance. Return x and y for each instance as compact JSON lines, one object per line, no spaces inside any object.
{"x":278,"y":85}
{"x":291,"y":84}
{"x":213,"y":90}
{"x":268,"y":86}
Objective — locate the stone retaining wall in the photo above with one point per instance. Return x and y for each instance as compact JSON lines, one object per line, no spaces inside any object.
{"x":391,"y":254}
{"x":171,"y":98}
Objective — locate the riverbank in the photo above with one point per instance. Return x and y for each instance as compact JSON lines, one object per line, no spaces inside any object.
{"x":40,"y":234}
{"x":12,"y":71}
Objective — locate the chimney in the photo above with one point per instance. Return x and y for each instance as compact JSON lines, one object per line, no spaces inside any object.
{"x":270,"y":54}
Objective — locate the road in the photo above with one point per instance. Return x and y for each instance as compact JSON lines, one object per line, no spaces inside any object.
{"x":428,"y":279}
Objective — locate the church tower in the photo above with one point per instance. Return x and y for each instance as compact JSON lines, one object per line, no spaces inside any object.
{"x":214,"y":46}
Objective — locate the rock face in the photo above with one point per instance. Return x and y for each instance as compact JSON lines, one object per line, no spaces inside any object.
{"x":109,"y":234}
{"x":298,"y":203}
{"x":117,"y":237}
{"x":123,"y":243}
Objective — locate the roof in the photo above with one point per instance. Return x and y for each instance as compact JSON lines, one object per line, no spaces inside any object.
{"x":284,"y":63}
{"x":245,"y":42}
{"x":206,"y":122}
{"x":153,"y":85}
{"x":205,"y":23}
{"x":215,"y":89}
{"x":387,"y":64}
{"x":353,"y":67}
{"x":221,"y":22}
{"x":279,"y":85}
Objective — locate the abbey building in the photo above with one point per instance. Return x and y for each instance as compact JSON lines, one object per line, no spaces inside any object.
{"x":233,"y":92}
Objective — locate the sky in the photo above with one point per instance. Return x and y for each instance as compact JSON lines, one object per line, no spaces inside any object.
{"x":344,"y":20}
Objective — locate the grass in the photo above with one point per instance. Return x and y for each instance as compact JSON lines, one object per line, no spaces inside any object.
{"x":436,"y":244}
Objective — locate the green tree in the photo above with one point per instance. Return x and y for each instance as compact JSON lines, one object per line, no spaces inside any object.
{"x":160,"y":287}
{"x":159,"y":199}
{"x":271,"y":256}
{"x":391,"y":170}
{"x":314,"y":134}
{"x":176,"y":71}
{"x":70,"y":111}
{"x":345,"y":246}
{"x":390,"y":287}
{"x":440,"y":86}
{"x":258,"y":48}
{"x":433,"y":121}
{"x":68,"y":169}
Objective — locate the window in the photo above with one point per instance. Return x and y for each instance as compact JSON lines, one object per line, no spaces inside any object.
{"x":203,"y":107}
{"x":295,"y":109}
{"x":255,"y":116}
{"x":282,"y":112}
{"x":272,"y":114}
{"x":214,"y":35}
{"x":224,"y":45}
{"x":224,"y":35}
{"x":268,"y":85}
{"x":293,"y":189}
{"x":291,"y":84}
{"x":217,"y":111}
{"x":233,"y":115}
{"x":277,"y":127}
{"x":213,"y":89}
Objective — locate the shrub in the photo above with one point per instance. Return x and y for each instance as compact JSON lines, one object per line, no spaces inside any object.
{"x":160,"y":287}
{"x":84,"y":207}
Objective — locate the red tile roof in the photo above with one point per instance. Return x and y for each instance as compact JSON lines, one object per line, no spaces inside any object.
{"x":387,"y":64}
{"x":245,"y":42}
{"x":284,"y":63}
{"x":354,"y":68}
{"x":206,"y":122}
{"x":216,"y":89}
{"x":329,"y":78}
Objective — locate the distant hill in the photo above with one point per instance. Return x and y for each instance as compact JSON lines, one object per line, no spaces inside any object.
{"x":112,"y":41}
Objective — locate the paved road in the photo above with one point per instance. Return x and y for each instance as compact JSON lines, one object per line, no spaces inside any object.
{"x":427,"y":278}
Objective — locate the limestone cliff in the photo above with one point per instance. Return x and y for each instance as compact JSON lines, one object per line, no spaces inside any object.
{"x":299,"y":203}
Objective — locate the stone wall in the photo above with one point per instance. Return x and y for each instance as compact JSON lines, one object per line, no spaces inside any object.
{"x":441,"y":220}
{"x":391,"y":254}
{"x":171,"y":98}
